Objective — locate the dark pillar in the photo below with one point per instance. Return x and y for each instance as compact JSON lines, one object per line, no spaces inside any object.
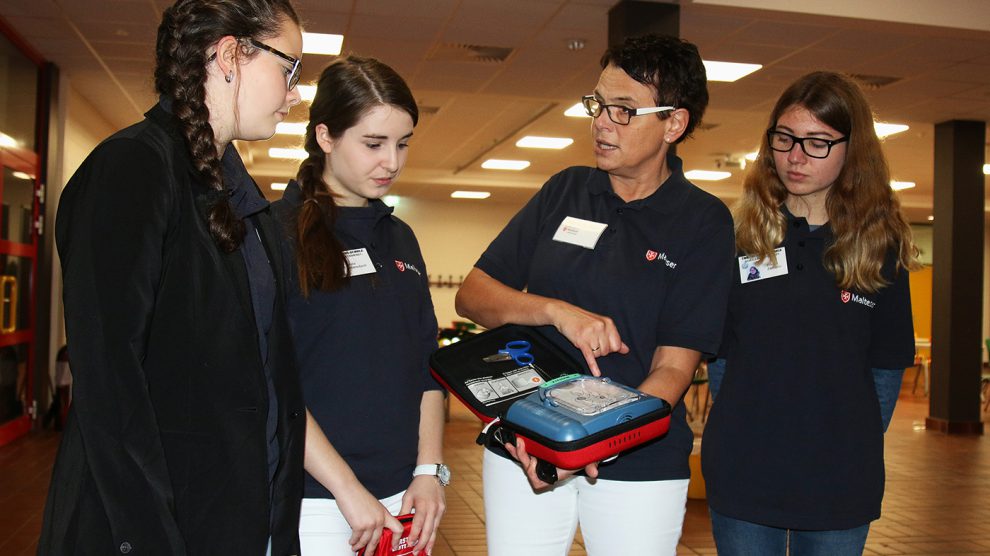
{"x":957,"y":290}
{"x":48,"y":103}
{"x":631,"y":18}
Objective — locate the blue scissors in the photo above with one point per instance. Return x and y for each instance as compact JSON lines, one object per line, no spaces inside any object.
{"x":516,"y":350}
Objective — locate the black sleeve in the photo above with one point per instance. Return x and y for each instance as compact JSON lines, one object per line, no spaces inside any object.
{"x":111,"y":232}
{"x":892,"y":334}
{"x":694,"y":311}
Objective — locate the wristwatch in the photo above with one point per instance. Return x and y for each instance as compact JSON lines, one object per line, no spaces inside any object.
{"x":438,"y":470}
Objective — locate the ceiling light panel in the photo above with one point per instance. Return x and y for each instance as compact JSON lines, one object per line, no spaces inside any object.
{"x":499,"y":164}
{"x":291,"y":154}
{"x":884,"y":129}
{"x":728,"y":71}
{"x":577,"y":111}
{"x":706,"y":175}
{"x":536,"y":142}
{"x":290,"y":128}
{"x":470,"y":195}
{"x":322,"y":43}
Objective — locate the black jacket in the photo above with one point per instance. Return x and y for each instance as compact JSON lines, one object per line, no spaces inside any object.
{"x":165,"y":452}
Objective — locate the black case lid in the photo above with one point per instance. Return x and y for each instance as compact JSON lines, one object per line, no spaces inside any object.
{"x":461,"y":364}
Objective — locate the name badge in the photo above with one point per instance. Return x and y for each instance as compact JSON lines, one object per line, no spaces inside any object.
{"x":359,"y":262}
{"x":753,"y":270}
{"x":584,"y":233}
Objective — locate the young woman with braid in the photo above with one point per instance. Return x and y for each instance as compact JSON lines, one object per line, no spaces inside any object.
{"x":362,"y":320}
{"x":186,"y":434}
{"x":816,"y":345}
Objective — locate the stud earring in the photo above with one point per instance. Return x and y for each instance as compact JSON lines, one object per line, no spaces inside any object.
{"x":229,"y":77}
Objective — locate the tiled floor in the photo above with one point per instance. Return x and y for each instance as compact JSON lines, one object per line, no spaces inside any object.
{"x":937,"y":501}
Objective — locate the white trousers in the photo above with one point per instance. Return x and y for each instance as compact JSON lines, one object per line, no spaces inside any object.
{"x":323,"y":531}
{"x":616,"y":517}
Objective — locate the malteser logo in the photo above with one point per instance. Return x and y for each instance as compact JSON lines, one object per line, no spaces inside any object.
{"x":652,"y":255}
{"x":403,"y":266}
{"x":846,"y":297}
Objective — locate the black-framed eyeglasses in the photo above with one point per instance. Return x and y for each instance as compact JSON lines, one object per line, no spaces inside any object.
{"x":621,"y":115}
{"x":292,"y":77}
{"x":815,"y":147}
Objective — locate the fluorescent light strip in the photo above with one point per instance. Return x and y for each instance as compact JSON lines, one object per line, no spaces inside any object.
{"x":577,"y":111}
{"x":391,"y":200}
{"x":7,"y":140}
{"x":728,"y":71}
{"x":752,"y":156}
{"x":22,"y":176}
{"x":986,"y":169}
{"x":279,"y":186}
{"x":322,"y":43}
{"x":884,"y":129}
{"x":470,"y":195}
{"x":706,"y":175}
{"x":899,"y":185}
{"x":307,"y":92}
{"x":292,"y":154}
{"x":290,"y":128}
{"x":535,"y":142}
{"x":497,"y":164}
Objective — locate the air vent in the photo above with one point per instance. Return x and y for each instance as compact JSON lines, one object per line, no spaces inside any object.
{"x":428,"y":110}
{"x":705,"y":126}
{"x":873,"y":82}
{"x":455,"y":52}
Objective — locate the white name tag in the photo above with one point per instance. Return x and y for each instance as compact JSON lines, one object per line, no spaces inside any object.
{"x":584,"y":233}
{"x":751,"y":270}
{"x":359,"y":262}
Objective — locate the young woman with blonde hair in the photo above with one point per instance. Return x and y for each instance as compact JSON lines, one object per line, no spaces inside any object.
{"x":816,"y":339}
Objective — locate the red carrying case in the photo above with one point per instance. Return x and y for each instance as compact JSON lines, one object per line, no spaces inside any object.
{"x":384,"y":547}
{"x":536,"y":401}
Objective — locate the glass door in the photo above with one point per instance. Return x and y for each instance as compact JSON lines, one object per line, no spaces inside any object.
{"x":20,"y":191}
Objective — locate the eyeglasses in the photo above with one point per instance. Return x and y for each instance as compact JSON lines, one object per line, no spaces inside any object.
{"x":292,"y":75}
{"x":812,"y":146}
{"x":621,"y":115}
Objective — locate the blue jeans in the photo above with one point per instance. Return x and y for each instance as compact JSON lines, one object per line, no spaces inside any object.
{"x":734,"y":537}
{"x":888,"y":385}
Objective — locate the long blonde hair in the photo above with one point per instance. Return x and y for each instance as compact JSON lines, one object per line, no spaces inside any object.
{"x":863,"y":211}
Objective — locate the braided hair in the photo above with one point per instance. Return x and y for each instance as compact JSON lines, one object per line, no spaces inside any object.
{"x":347,"y":89}
{"x":187,"y":30}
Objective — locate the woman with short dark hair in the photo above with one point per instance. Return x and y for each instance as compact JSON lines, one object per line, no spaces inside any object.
{"x":626,"y":266}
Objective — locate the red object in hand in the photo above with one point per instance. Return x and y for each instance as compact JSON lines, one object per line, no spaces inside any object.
{"x":384,"y":547}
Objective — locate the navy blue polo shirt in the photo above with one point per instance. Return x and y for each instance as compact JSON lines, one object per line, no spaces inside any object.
{"x":794,"y":439}
{"x":660,"y":271}
{"x":247,"y":201}
{"x":364,"y":350}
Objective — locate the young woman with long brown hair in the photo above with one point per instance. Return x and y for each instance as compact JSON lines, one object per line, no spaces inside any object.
{"x":362,"y":320}
{"x":186,"y":432}
{"x":815,"y":338}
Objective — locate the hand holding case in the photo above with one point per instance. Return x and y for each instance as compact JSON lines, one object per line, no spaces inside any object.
{"x":558,"y":419}
{"x":384,"y":547}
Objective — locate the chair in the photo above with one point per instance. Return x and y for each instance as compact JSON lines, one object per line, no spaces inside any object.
{"x":923,"y":361}
{"x":985,"y":380}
